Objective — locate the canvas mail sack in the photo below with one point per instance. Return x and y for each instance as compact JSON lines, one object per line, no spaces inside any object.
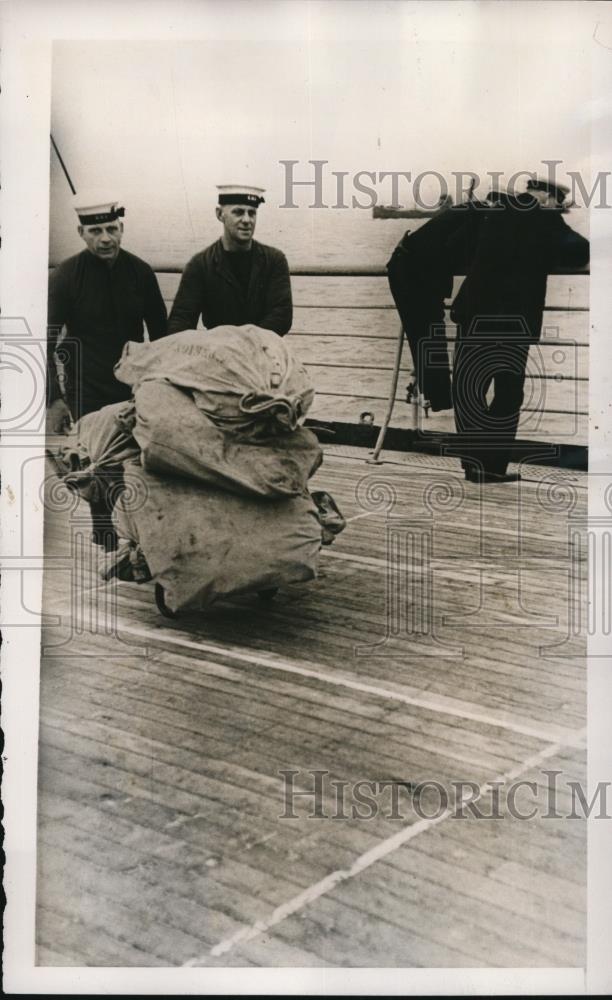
{"x":242,"y":377}
{"x":178,"y":439}
{"x":201,"y":544}
{"x":97,"y":450}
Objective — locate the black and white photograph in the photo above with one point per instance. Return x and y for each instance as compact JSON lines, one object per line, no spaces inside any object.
{"x":307,"y":497}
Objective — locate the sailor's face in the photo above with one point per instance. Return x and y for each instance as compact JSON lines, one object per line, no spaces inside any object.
{"x":103,"y":240}
{"x":238,"y":222}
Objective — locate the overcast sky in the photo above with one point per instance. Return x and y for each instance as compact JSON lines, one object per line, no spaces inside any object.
{"x":387,"y":86}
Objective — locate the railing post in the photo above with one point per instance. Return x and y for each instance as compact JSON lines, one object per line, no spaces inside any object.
{"x":374,"y":459}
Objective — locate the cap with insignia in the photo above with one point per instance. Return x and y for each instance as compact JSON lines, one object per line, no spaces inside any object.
{"x":96,"y":209}
{"x":558,"y":191}
{"x":239,"y":194}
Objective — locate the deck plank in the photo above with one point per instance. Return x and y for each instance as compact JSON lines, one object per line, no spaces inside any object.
{"x":160,"y":793}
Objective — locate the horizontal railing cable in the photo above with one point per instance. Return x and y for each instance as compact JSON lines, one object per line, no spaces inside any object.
{"x":359,"y":271}
{"x":369,"y":271}
{"x":407,"y":369}
{"x":389,"y":307}
{"x":349,"y":271}
{"x":399,"y":399}
{"x":449,"y":339}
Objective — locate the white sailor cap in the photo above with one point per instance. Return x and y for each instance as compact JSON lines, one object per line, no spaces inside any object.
{"x":94,"y":209}
{"x":240,"y":194}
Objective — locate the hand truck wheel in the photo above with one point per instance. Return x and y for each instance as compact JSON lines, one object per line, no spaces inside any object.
{"x":162,"y":607}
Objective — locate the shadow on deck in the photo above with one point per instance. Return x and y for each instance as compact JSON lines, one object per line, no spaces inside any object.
{"x":440,"y":645}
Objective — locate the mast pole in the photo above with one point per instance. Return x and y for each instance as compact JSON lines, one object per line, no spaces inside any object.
{"x":63,"y":165}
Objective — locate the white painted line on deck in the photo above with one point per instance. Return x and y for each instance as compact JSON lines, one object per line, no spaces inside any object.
{"x":365,"y":861}
{"x":373,"y":561}
{"x":471,"y":574}
{"x":439,"y":704}
{"x":367,"y":513}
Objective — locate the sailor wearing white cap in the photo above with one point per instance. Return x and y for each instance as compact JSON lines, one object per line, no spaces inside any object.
{"x":235,"y":280}
{"x":102,"y":297}
{"x":93,"y":209}
{"x":100,"y":224}
{"x":238,"y":194}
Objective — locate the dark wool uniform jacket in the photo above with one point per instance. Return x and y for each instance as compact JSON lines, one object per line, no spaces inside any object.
{"x":421,"y":277}
{"x":512,"y":249}
{"x":210,"y":289}
{"x":102,"y":308}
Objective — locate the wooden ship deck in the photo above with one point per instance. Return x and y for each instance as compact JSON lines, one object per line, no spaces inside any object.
{"x":441,"y":643}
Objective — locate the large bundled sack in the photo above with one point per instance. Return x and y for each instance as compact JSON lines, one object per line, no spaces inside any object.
{"x":242,"y":377}
{"x":97,"y":450}
{"x":201,"y":544}
{"x":177,"y":438}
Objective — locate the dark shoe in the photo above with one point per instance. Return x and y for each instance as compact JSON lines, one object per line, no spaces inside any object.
{"x":160,"y":600}
{"x":331,"y":520}
{"x":480,"y":477}
{"x":126,"y":563}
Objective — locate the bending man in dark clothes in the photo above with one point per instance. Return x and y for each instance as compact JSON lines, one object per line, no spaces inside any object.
{"x":512,"y":247}
{"x":420,"y":274}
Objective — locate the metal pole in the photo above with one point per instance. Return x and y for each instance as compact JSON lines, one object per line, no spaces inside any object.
{"x":417,"y":401}
{"x":374,"y":459}
{"x":63,"y":165}
{"x":61,"y":376}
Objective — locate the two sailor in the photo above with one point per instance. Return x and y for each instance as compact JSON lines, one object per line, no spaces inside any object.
{"x":105,"y":296}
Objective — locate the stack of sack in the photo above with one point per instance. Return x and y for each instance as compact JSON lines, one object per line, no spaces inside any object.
{"x":100,"y":445}
{"x":219,"y":465}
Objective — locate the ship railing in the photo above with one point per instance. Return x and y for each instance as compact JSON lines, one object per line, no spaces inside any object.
{"x":564,"y":394}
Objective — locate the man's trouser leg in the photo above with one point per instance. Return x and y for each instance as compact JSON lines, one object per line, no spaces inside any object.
{"x":102,"y":529}
{"x":421,"y":313}
{"x":487,"y":432}
{"x":472,"y":376}
{"x":505,"y":409}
